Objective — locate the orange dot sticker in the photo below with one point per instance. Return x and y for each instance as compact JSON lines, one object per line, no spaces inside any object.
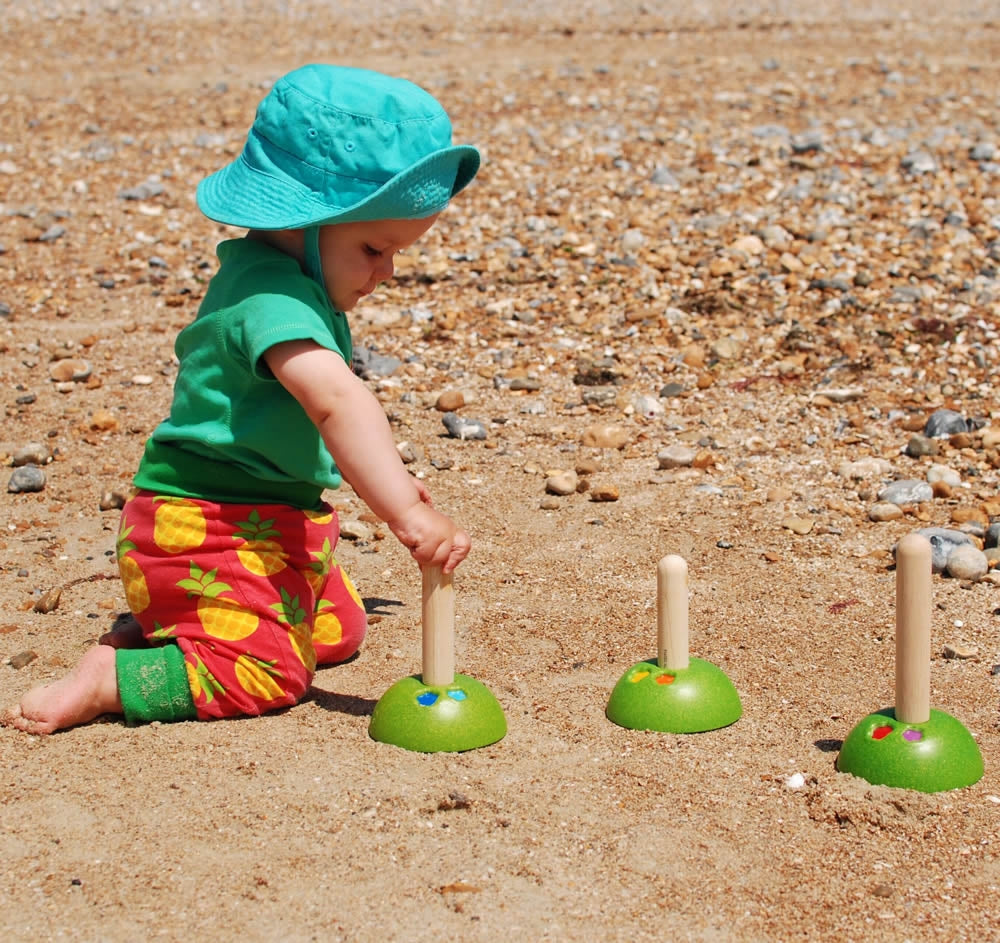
{"x":666,"y":679}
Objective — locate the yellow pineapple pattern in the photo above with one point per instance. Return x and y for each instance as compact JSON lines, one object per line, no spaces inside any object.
{"x":133,"y":579}
{"x":202,"y":682}
{"x":178,"y":524}
{"x":320,"y":518}
{"x":290,"y":613}
{"x":220,"y":617}
{"x":258,"y":551}
{"x":256,"y":677}
{"x":327,"y":627}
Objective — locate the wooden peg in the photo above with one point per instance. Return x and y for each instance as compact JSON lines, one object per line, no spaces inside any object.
{"x":438,"y":620}
{"x":913,"y":629}
{"x":672,"y":613}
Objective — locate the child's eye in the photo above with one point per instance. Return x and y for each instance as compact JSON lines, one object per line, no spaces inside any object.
{"x":370,"y":250}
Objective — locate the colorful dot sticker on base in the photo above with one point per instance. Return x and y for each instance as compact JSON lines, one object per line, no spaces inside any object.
{"x":458,"y":695}
{"x":426,"y":698}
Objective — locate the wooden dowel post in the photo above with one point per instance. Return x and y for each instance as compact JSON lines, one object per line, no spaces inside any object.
{"x":913,"y":629}
{"x":438,"y":620}
{"x":672,"y":613}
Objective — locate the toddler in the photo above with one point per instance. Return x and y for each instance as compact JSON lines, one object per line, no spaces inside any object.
{"x":226,"y":548}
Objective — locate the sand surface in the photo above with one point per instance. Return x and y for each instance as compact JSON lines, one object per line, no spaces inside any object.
{"x":755,"y":235}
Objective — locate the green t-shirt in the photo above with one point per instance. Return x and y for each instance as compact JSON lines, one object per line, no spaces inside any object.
{"x":235,"y":434}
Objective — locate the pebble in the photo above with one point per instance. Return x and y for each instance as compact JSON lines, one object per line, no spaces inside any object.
{"x":407,"y":452}
{"x":111,"y":500}
{"x":62,"y":371}
{"x":943,"y":543}
{"x":884,"y":511}
{"x":675,"y":456}
{"x":26,"y":478}
{"x":907,"y":491}
{"x":942,"y":473}
{"x":992,"y":536}
{"x":450,"y":401}
{"x":605,"y":436}
{"x":356,"y":530}
{"x":862,"y":468}
{"x":943,"y":423}
{"x":649,"y":407}
{"x":549,"y":503}
{"x":562,"y":483}
{"x":21,"y":659}
{"x":48,"y":602}
{"x":461,"y":428}
{"x":798,"y":525}
{"x":604,"y":493}
{"x":959,"y":651}
{"x":920,"y":445}
{"x":34,"y":453}
{"x":369,"y":364}
{"x":967,"y":562}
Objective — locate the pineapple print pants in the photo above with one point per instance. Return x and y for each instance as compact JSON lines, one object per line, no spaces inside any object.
{"x":249,"y":594}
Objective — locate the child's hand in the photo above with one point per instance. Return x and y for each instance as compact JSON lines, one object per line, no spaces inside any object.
{"x":431,"y":538}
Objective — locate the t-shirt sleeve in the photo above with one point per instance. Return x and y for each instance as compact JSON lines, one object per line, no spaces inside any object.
{"x":269,"y":319}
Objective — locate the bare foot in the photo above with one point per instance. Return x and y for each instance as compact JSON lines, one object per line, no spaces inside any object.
{"x":89,"y":690}
{"x":125,"y":633}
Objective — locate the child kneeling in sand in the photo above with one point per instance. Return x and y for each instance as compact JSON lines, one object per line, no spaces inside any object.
{"x":226,"y":548}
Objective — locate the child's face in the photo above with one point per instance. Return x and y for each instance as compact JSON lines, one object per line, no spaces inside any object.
{"x":357,"y":256}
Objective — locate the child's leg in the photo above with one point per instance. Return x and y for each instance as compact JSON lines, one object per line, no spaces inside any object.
{"x":340,"y":619}
{"x":229,"y":584}
{"x":89,"y":690}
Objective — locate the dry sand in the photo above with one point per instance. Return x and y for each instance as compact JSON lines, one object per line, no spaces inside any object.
{"x":606,"y":251}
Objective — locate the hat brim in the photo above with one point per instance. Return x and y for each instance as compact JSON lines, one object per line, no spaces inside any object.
{"x":240,"y":195}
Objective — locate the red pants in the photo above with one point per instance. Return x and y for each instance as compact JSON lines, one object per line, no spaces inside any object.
{"x":251,"y":594}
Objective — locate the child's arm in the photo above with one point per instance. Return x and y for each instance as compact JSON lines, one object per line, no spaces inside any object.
{"x":355,"y":430}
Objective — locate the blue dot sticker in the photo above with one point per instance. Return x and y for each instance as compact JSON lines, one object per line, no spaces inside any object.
{"x":458,"y":695}
{"x":426,"y":698}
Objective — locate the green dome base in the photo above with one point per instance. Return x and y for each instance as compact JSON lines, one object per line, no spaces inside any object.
{"x":930,"y":757}
{"x":697,"y":698}
{"x":463,"y":715}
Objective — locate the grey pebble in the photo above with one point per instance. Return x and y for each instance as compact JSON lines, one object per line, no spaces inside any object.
{"x":461,"y":428}
{"x":944,"y":541}
{"x":992,"y":536}
{"x":367,"y":363}
{"x":945,"y":422}
{"x":907,"y":491}
{"x":26,"y":478}
{"x":53,"y":233}
{"x":144,"y":191}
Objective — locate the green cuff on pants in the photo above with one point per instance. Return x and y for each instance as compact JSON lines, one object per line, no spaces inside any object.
{"x":153,"y":684}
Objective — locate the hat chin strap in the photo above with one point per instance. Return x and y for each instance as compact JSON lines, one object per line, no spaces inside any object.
{"x":313,"y":260}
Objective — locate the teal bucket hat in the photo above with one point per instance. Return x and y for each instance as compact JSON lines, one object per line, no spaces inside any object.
{"x":332,"y":144}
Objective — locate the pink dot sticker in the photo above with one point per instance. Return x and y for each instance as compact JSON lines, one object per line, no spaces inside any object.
{"x":913,"y":735}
